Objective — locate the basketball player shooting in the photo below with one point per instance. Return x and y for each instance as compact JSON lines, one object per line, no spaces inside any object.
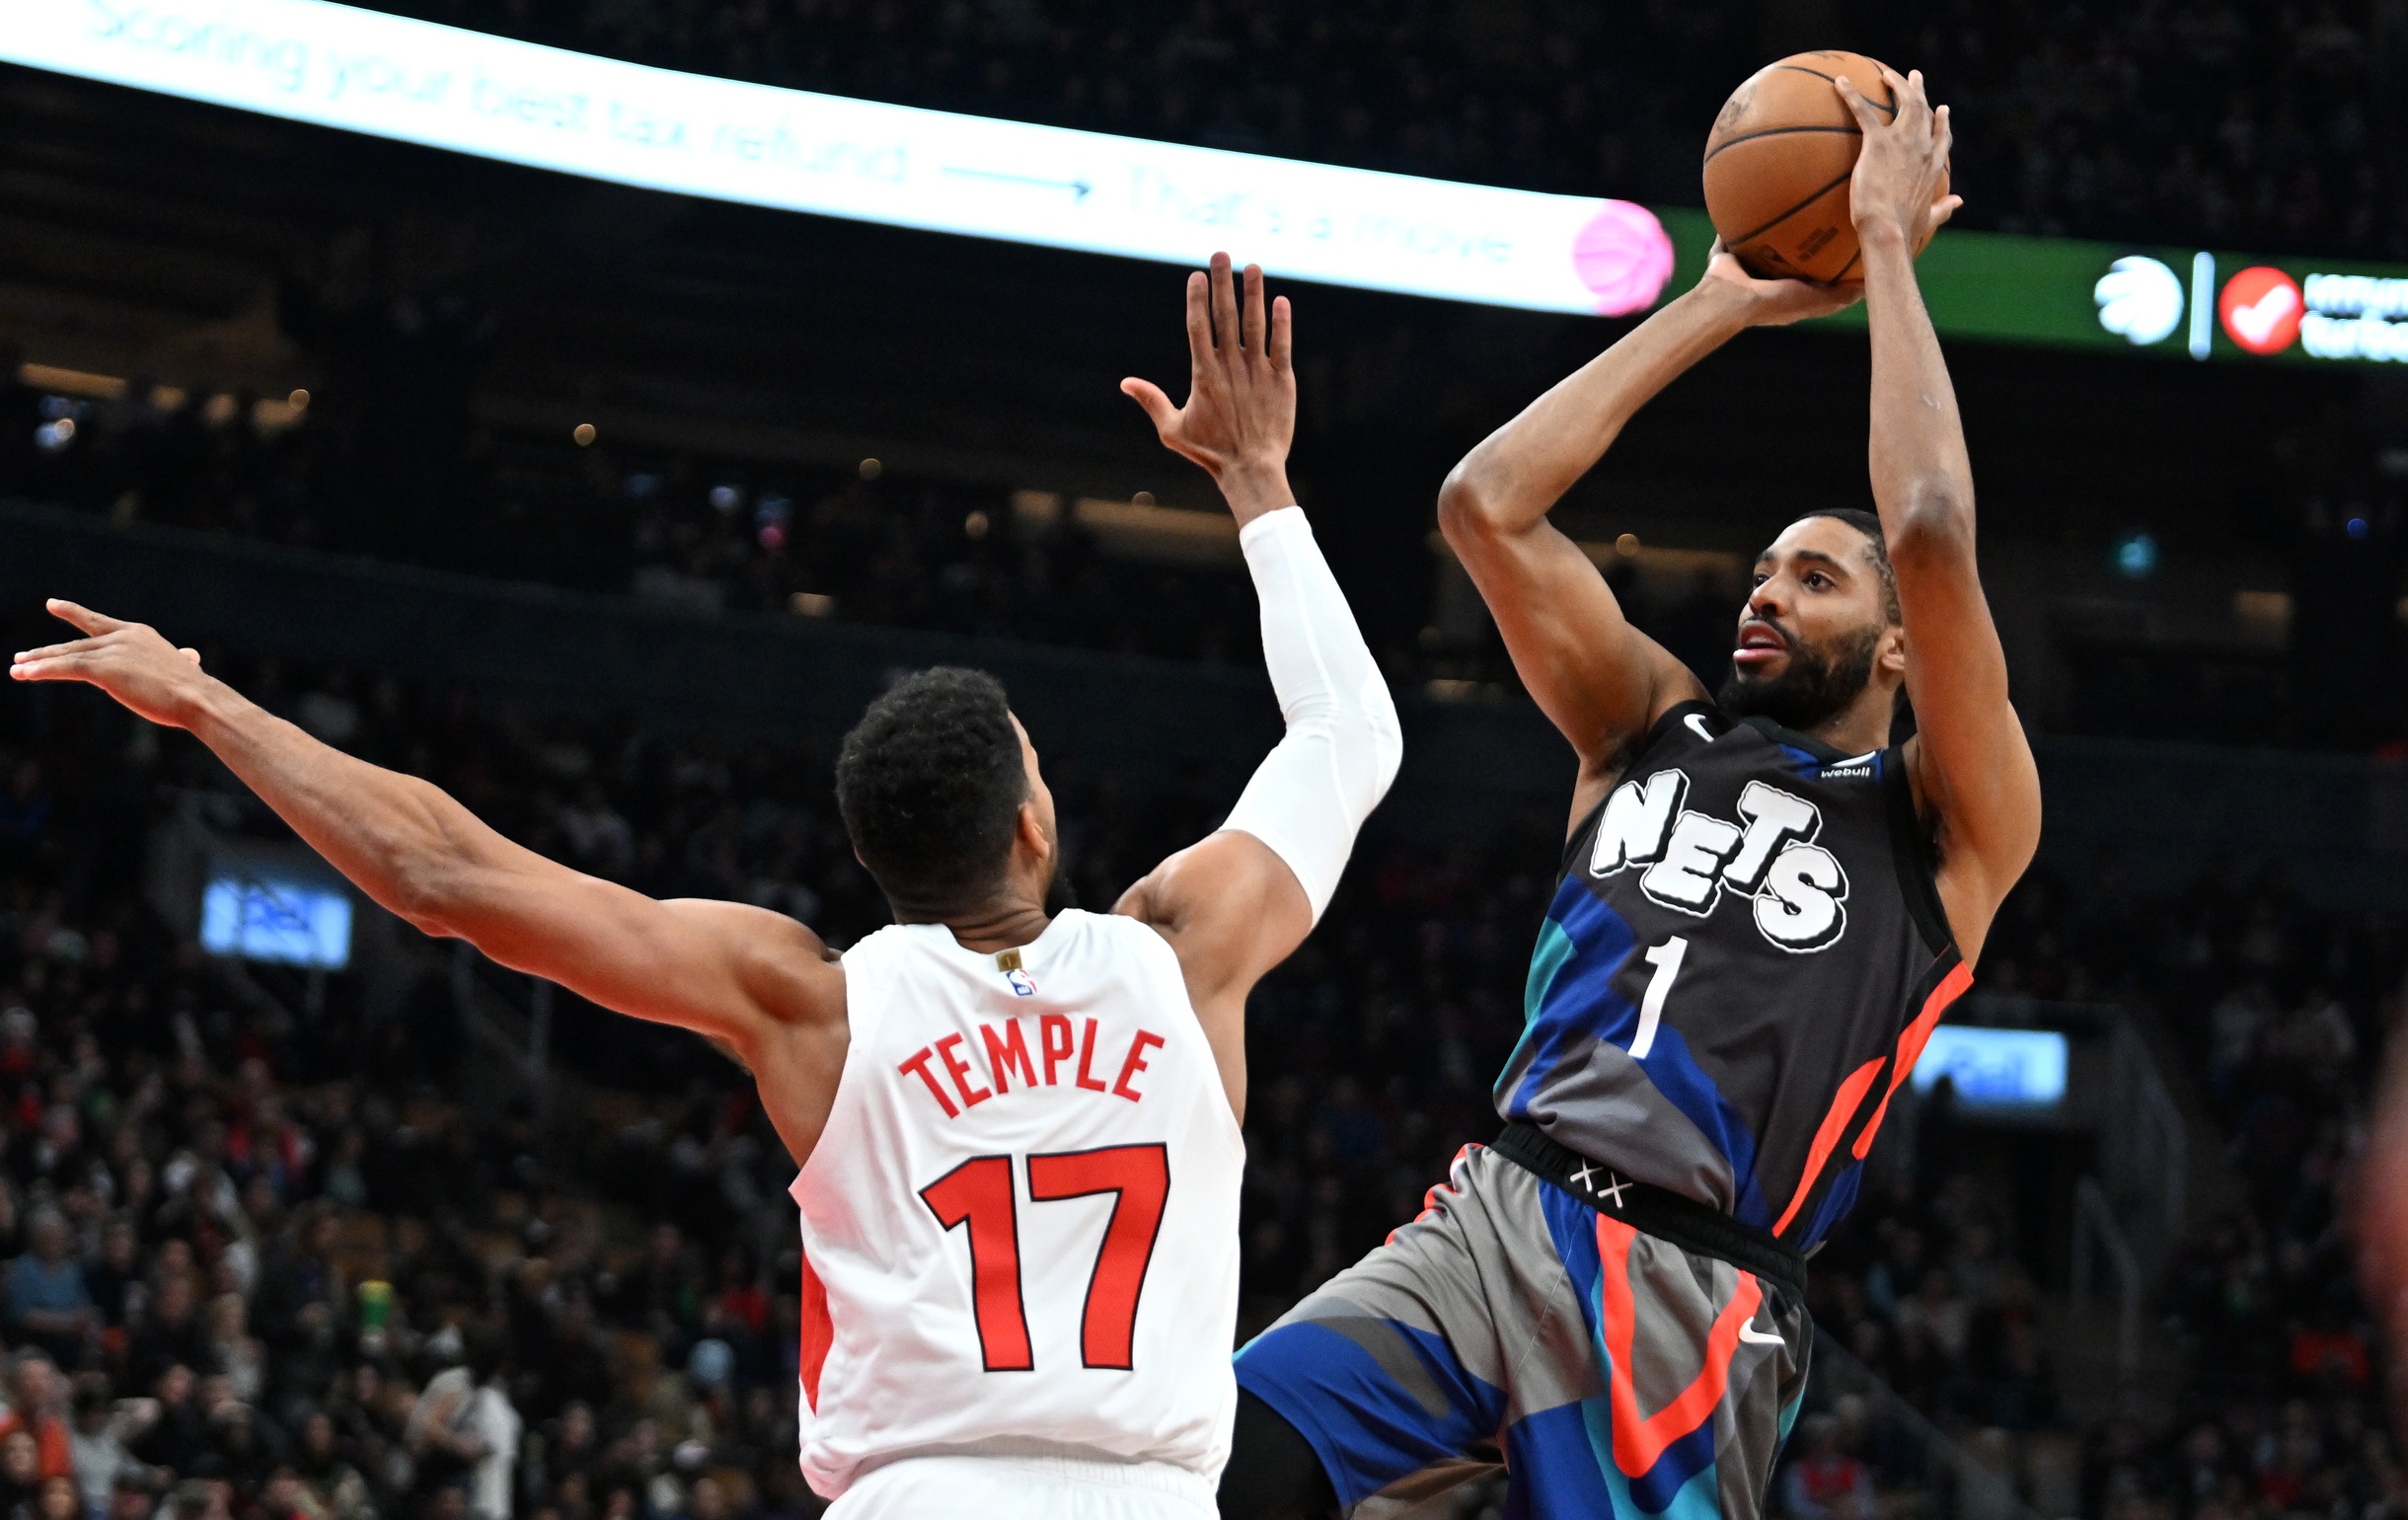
{"x":1762,"y":910}
{"x":1017,"y":1124}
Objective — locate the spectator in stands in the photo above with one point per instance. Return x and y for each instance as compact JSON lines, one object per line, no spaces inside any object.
{"x":1825,"y":1483}
{"x":170,"y":1334}
{"x":47,"y":1302}
{"x":98,"y":1446}
{"x":20,"y":1475}
{"x":465,"y":1427}
{"x":241,"y":1361}
{"x":35,"y":1406}
{"x":331,"y":1487}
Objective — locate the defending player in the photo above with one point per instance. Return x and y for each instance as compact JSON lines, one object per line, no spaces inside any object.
{"x":1761,"y":914}
{"x":1017,"y":1125}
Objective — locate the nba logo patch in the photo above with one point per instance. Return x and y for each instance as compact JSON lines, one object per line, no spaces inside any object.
{"x":1022,"y":984}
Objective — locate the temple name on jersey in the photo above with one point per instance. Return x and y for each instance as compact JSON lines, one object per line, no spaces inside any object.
{"x":1687,"y":861}
{"x":1006,"y":1058}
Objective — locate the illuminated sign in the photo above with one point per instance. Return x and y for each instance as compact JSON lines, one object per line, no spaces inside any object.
{"x":287,"y":922}
{"x":2355,"y":316}
{"x":2265,"y":309}
{"x":414,"y":81}
{"x":2260,"y":309}
{"x":1996,"y":1068}
{"x":2139,"y":299}
{"x":419,"y":82}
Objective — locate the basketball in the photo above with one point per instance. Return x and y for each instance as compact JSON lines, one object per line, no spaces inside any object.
{"x":556,"y":761}
{"x":1778,"y":164}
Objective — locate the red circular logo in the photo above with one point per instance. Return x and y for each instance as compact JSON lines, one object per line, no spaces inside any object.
{"x":2261,"y":309}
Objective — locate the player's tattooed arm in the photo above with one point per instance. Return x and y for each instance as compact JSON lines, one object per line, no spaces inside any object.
{"x":1975,"y":779}
{"x":1600,"y":680}
{"x":756,"y":982}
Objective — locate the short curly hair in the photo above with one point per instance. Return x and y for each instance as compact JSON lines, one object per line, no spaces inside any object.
{"x":1876,"y":550}
{"x":931,"y":783}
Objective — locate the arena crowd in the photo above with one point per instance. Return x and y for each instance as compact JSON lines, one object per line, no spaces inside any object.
{"x":268,"y":1257}
{"x":857,"y":544}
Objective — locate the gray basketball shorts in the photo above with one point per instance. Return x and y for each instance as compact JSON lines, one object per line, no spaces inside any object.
{"x":1610,"y":1373}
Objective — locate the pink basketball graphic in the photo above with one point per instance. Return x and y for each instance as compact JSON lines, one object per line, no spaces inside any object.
{"x":1623,"y":256}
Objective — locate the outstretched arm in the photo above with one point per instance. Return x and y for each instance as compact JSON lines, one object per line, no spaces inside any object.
{"x":738,"y":974}
{"x":1240,"y":902}
{"x":1601,"y":681}
{"x":1974,"y":780}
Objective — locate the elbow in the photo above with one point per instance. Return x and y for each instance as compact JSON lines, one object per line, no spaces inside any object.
{"x":427,"y":896}
{"x":1933,"y":524}
{"x":1466,"y":505}
{"x":1362,"y":742}
{"x":1369,"y":749}
{"x":1385,"y":742}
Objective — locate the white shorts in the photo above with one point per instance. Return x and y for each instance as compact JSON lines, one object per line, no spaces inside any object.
{"x":1020,"y":1488}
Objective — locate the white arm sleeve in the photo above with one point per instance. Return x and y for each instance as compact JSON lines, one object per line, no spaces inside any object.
{"x":1314,"y":790}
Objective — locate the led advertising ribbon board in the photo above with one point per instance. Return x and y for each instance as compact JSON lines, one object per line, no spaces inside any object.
{"x":2115,"y":297}
{"x":2197,"y":303}
{"x":414,"y":81}
{"x":420,"y":82}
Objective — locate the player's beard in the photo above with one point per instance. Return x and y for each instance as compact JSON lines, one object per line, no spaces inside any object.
{"x":1815,"y":685}
{"x":1061,"y":893}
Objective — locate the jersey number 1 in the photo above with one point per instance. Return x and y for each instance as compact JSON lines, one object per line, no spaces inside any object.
{"x":979,"y":1193}
{"x":1666,"y":959}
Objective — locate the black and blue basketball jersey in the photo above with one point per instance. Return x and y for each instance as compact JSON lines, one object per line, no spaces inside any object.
{"x":1743,"y":959}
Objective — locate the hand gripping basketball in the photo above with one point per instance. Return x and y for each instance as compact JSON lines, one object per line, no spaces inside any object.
{"x":1900,"y":184}
{"x":1774,"y":303}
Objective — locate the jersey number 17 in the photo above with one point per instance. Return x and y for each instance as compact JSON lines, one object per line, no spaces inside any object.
{"x":979,"y":1193}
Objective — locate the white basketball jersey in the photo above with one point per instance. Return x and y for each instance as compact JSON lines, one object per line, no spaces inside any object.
{"x":1019,"y":1227}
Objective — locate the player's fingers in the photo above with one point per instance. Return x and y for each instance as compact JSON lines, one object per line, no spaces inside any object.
{"x":54,"y":650}
{"x":1144,"y":392}
{"x":1907,"y":90}
{"x":192,"y":654}
{"x":1257,"y":337}
{"x":1199,"y":319}
{"x":1283,"y":335}
{"x":83,"y":617}
{"x":1944,"y":208}
{"x":1224,"y":306}
{"x":1858,"y":106}
{"x":1944,"y":135}
{"x":64,"y":667}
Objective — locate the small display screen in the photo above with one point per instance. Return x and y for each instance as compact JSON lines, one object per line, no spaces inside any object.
{"x":261,"y":918}
{"x":1996,"y":1068}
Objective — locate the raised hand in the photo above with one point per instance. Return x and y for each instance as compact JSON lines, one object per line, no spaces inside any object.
{"x":1903,"y":164}
{"x":1774,"y":303}
{"x":1240,"y":412}
{"x":127,"y":660}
